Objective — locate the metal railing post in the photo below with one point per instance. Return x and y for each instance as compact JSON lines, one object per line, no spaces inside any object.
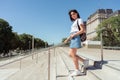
{"x":54,"y":51}
{"x":49,"y":64}
{"x":32,"y":47}
{"x":101,"y":46}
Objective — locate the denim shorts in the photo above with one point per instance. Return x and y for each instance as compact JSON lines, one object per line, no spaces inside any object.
{"x":75,"y":42}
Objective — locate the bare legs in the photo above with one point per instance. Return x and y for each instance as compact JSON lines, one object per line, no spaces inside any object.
{"x":75,"y":57}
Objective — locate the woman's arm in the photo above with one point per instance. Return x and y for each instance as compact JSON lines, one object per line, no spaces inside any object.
{"x":82,"y":30}
{"x":67,"y":39}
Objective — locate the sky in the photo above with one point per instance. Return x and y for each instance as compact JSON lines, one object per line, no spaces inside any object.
{"x":49,"y":19}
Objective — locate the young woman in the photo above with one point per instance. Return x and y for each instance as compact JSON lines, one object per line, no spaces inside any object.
{"x":75,"y":41}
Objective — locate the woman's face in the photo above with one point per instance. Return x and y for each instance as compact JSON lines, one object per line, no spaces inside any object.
{"x":74,"y":15}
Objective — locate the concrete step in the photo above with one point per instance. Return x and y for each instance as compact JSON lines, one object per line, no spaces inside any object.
{"x":110,"y":56}
{"x":61,"y":71}
{"x":53,"y":67}
{"x":108,"y":71}
{"x":4,"y":73}
{"x":89,"y":76}
{"x":35,"y":71}
{"x":114,"y":64}
{"x":61,"y":65}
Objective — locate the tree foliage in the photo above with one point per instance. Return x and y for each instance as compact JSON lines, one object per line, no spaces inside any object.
{"x":111,"y":33}
{"x":10,"y":40}
{"x":6,"y":36}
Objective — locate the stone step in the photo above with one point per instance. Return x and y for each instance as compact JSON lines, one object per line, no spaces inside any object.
{"x":69,"y":62}
{"x":108,"y":72}
{"x":4,"y":73}
{"x":110,"y":56}
{"x":61,"y":65}
{"x":35,"y":71}
{"x":114,"y":64}
{"x":61,"y":71}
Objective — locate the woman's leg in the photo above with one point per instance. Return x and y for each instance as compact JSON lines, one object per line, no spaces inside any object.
{"x":81,"y":59}
{"x":74,"y":57}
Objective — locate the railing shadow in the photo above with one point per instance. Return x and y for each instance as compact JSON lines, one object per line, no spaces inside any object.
{"x":97,"y":65}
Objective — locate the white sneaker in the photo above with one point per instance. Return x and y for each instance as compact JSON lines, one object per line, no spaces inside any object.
{"x":70,"y":78}
{"x":76,"y":73}
{"x":86,"y":63}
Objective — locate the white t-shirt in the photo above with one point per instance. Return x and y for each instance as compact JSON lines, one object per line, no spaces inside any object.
{"x":74,"y":27}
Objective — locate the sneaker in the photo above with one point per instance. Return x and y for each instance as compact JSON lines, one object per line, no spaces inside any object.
{"x":76,"y":73}
{"x":86,"y":63}
{"x":70,"y":78}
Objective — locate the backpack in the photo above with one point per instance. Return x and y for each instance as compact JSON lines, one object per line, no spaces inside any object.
{"x":83,"y":36}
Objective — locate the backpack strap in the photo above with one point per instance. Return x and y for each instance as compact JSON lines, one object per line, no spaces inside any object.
{"x":78,"y":25}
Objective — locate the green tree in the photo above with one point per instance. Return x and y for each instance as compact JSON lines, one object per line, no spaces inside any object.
{"x":111,"y":33}
{"x":6,"y":36}
{"x":10,"y":40}
{"x":24,"y":41}
{"x":40,"y":43}
{"x":15,"y":41}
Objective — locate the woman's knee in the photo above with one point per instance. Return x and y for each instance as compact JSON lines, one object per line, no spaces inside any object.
{"x":73,"y":55}
{"x":70,"y":55}
{"x":72,"y":52}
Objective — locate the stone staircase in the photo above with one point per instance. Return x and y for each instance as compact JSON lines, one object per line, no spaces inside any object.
{"x":61,"y":65}
{"x":110,"y":69}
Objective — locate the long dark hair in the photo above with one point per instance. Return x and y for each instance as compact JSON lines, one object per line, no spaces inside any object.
{"x":75,"y":11}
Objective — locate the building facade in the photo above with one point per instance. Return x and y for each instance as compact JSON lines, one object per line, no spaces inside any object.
{"x":95,"y":19}
{"x":116,"y":13}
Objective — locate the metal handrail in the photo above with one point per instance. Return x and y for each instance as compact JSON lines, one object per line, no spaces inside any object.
{"x":109,"y":47}
{"x":15,"y":60}
{"x":21,"y":59}
{"x":61,"y":44}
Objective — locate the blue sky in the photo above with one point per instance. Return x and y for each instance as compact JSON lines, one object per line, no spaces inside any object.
{"x":48,"y":19}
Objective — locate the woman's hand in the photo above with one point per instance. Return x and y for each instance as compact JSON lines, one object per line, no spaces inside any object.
{"x":72,"y":36}
{"x":69,"y":38}
{"x":66,"y":41}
